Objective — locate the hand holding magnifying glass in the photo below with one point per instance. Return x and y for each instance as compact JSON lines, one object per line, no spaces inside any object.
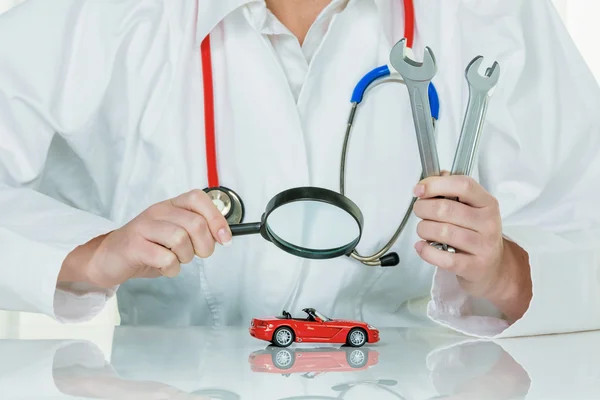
{"x":308,"y":222}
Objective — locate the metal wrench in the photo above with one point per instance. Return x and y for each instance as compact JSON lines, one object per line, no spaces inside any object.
{"x":417,"y":77}
{"x":480,"y":91}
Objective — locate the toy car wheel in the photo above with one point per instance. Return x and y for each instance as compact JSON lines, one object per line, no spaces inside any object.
{"x":283,"y":359}
{"x":283,"y":337}
{"x":356,"y":338}
{"x":356,"y":358}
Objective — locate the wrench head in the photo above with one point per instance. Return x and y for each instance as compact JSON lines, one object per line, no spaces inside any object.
{"x":483,"y":82}
{"x":409,"y":69}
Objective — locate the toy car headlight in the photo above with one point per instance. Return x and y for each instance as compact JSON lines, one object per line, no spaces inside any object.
{"x":371,"y":327}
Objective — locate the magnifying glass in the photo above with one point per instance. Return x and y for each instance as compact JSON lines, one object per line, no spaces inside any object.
{"x":309,"y":222}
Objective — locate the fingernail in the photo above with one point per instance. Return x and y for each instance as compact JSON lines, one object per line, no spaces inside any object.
{"x":419,"y":190}
{"x":225,"y":237}
{"x":419,"y":246}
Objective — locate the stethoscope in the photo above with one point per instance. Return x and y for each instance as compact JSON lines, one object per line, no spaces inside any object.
{"x":230,"y":203}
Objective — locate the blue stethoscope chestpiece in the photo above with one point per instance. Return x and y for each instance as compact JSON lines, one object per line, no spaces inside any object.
{"x":228,"y":202}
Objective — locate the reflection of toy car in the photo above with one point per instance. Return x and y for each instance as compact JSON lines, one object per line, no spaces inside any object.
{"x":312,"y":361}
{"x":315,"y":328}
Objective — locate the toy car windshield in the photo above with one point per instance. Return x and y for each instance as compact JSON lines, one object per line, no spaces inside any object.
{"x":312,"y":314}
{"x":316,"y":313}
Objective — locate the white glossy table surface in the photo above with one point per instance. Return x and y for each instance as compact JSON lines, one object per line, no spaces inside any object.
{"x":204,"y":363}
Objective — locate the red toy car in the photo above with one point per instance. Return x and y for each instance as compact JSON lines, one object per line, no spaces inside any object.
{"x":315,"y":328}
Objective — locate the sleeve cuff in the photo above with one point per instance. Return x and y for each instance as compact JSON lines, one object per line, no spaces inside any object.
{"x":451,"y":307}
{"x":29,"y":281}
{"x":565,"y":292}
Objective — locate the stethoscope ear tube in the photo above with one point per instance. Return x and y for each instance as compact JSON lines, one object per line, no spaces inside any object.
{"x":374,"y":78}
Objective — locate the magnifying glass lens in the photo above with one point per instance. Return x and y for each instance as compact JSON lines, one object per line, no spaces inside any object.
{"x":309,"y":222}
{"x":313,"y":225}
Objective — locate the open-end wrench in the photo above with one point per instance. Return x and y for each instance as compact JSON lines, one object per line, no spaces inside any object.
{"x":417,"y":77}
{"x":480,"y":91}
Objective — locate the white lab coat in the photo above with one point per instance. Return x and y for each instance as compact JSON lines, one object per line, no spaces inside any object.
{"x":101,"y":116}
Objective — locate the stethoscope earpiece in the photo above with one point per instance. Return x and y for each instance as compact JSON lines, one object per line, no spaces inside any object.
{"x":228,"y":202}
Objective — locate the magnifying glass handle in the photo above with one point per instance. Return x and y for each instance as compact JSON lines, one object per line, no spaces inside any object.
{"x":245,"y":229}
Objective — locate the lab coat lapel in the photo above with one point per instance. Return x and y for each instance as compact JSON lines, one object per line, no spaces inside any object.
{"x":211,"y":13}
{"x":261,"y":133}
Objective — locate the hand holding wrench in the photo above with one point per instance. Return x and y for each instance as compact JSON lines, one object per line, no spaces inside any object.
{"x":417,"y":77}
{"x":480,"y":91}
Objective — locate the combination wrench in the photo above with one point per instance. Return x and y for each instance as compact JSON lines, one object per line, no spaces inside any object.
{"x":417,"y":77}
{"x":480,"y":92}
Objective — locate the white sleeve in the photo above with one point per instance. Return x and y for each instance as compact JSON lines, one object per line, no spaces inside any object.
{"x":541,"y":158}
{"x":53,"y":72}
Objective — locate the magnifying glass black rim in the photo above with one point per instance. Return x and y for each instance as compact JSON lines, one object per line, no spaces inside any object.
{"x":313,"y":194}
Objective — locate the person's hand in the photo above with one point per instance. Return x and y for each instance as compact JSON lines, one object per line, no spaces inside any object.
{"x":486,"y":264}
{"x":153,"y":244}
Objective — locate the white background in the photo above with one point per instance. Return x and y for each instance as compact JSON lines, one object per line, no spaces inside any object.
{"x":579,"y":17}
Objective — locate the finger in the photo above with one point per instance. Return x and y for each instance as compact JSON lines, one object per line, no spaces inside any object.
{"x":147,"y":272}
{"x":449,"y":211}
{"x":461,"y":239}
{"x":203,"y":240}
{"x":462,"y":265}
{"x":465,"y":188}
{"x":198,"y":202}
{"x":159,"y":258}
{"x":170,"y":236}
{"x":195,"y":225}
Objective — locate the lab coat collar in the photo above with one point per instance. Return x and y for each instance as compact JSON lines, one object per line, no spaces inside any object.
{"x":258,"y":15}
{"x":212,"y":12}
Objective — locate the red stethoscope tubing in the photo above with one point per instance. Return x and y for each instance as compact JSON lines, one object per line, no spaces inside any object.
{"x":409,"y":22}
{"x":209,"y":114}
{"x":209,"y":95}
